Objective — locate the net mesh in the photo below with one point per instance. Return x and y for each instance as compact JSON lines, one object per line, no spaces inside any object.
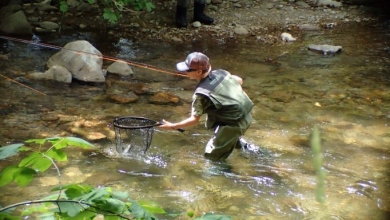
{"x":133,"y":134}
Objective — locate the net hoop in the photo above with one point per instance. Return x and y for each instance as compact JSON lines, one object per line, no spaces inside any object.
{"x":133,"y":134}
{"x":150,"y":122}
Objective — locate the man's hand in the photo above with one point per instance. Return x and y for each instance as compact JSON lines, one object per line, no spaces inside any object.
{"x":167,"y":125}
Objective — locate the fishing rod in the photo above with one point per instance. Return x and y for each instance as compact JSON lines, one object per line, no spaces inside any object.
{"x":136,"y":64}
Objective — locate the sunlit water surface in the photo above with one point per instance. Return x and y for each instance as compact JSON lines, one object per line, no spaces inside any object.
{"x":346,"y":95}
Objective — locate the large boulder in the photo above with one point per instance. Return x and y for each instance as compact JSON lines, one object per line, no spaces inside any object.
{"x":14,"y":21}
{"x":81,"y":59}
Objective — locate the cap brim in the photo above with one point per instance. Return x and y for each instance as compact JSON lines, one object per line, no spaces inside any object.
{"x":182,"y":66}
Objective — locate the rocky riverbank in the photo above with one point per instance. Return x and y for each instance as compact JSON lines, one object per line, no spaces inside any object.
{"x":262,"y":21}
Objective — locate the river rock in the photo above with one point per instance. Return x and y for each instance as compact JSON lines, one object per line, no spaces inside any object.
{"x":45,"y":6}
{"x":164,"y":98}
{"x":124,"y":98}
{"x":57,"y":73}
{"x":84,"y":7}
{"x":282,"y":96}
{"x":72,"y":3}
{"x":81,"y":59}
{"x":49,"y":25}
{"x":325,"y":48}
{"x":240,"y":30}
{"x":9,"y":10}
{"x":120,"y":68}
{"x":49,"y":117}
{"x":302,"y":4}
{"x":196,"y":24}
{"x":287,"y":37}
{"x":329,"y":3}
{"x":14,"y":23}
{"x":309,"y":27}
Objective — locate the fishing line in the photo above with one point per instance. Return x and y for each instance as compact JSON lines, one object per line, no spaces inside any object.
{"x":114,"y":59}
{"x":23,"y":84}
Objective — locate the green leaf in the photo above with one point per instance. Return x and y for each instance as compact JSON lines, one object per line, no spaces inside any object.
{"x":36,"y":141}
{"x":152,"y":207}
{"x":83,"y":188}
{"x":72,"y":193}
{"x":111,"y":204}
{"x":9,"y":150}
{"x":91,"y":1}
{"x":42,"y":164}
{"x":74,"y":190}
{"x":70,"y":141}
{"x":72,"y":209}
{"x":210,"y":216}
{"x":139,"y":212}
{"x":7,"y":175}
{"x":149,"y":6}
{"x":36,"y":161}
{"x":57,"y":155}
{"x":110,"y":15}
{"x":24,"y":148}
{"x":120,"y":195}
{"x":95,"y":194}
{"x":24,"y":176}
{"x":5,"y":216}
{"x":190,"y":214}
{"x":30,"y":160}
{"x":83,"y":215}
{"x":112,"y":217}
{"x":63,"y":6}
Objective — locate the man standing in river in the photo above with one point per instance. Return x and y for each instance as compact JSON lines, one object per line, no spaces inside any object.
{"x":219,"y":95}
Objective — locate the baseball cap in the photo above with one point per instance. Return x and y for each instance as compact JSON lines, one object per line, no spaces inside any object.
{"x":194,"y":61}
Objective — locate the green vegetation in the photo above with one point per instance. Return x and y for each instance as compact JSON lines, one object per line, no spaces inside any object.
{"x":317,"y":161}
{"x":75,"y":200}
{"x":113,"y":8}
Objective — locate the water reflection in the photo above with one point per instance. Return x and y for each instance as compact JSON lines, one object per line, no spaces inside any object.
{"x":345,"y":94}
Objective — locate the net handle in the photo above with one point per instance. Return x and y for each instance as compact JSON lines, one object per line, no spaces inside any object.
{"x":140,"y":127}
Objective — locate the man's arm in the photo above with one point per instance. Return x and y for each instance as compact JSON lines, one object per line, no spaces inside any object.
{"x":192,"y":120}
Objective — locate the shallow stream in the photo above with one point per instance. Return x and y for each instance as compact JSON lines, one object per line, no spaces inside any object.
{"x":345,"y":94}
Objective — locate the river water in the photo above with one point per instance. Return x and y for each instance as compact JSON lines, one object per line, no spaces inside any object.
{"x":345,"y":94}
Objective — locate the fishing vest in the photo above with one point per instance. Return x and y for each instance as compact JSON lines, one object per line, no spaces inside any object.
{"x":231,"y":103}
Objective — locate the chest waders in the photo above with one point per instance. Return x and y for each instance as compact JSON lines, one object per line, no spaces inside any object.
{"x":230,"y":114}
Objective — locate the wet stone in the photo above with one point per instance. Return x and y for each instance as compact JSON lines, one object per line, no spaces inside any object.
{"x":49,"y":117}
{"x":325,"y":48}
{"x":281,"y":96}
{"x":124,"y":98}
{"x":164,"y":98}
{"x":300,"y":141}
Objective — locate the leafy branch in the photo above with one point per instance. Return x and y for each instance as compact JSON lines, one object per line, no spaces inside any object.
{"x":73,"y":201}
{"x":79,"y":201}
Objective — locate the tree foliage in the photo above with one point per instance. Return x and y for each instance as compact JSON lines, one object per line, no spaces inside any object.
{"x":75,"y":200}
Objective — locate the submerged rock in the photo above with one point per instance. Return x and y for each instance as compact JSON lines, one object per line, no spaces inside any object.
{"x":124,"y":98}
{"x":325,"y":48}
{"x":163,"y":98}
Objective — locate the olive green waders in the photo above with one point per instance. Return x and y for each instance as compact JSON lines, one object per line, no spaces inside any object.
{"x":225,"y":139}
